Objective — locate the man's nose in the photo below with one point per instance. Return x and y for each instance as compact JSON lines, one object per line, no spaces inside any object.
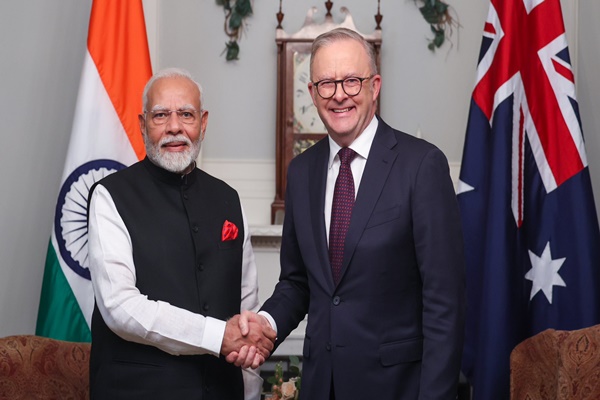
{"x":174,"y":125}
{"x":340,"y":93}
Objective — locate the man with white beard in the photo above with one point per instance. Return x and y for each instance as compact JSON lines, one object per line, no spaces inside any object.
{"x":172,"y":265}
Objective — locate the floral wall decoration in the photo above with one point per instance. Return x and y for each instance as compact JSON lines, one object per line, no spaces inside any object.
{"x":235,"y":13}
{"x":282,"y":389}
{"x":437,"y":14}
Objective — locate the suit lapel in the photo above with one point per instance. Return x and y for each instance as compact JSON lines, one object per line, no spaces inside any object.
{"x":380,"y":161}
{"x":318,"y":179}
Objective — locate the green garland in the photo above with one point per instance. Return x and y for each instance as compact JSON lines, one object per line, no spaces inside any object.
{"x":235,"y":12}
{"x":437,"y":14}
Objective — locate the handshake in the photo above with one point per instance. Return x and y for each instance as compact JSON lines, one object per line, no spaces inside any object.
{"x":248,"y":340}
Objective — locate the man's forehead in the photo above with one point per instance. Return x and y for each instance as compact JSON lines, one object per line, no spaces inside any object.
{"x":173,"y":83}
{"x":173,"y":87}
{"x":162,"y":107}
{"x":340,"y":53}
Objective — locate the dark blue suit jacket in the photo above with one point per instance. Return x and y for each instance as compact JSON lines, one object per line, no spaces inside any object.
{"x":393,"y":327}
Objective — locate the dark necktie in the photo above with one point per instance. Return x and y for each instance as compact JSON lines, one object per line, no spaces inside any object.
{"x":341,"y":211}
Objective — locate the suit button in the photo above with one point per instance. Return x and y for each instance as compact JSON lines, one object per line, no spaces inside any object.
{"x":196,"y":229}
{"x":205,"y":307}
{"x":185,"y":196}
{"x":336,"y":301}
{"x":328,"y":347}
{"x":200,"y":267}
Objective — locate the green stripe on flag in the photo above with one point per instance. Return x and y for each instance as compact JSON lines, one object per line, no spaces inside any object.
{"x":59,"y":315}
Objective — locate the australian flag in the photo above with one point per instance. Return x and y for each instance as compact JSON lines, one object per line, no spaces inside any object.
{"x":530,"y":224}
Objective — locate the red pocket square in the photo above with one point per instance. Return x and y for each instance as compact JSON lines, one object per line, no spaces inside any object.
{"x":230,"y":231}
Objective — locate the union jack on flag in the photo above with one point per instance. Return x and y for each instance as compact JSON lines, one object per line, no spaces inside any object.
{"x":529,"y":220}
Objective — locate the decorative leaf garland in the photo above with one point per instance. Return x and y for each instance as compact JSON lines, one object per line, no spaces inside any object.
{"x":235,"y":12}
{"x":437,"y":14}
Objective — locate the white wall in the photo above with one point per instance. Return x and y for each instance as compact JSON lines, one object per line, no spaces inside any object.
{"x":43,"y":42}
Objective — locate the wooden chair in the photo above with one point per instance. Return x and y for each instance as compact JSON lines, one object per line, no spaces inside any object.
{"x":34,"y":367}
{"x":557,"y":365}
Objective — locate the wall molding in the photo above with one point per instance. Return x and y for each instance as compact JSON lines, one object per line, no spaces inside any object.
{"x":253,"y":179}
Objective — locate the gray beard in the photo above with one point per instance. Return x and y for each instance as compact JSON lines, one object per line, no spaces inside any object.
{"x":175,"y":162}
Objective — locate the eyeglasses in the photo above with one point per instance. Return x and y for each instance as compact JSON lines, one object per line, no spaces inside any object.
{"x":160,"y":117}
{"x":351,"y":86}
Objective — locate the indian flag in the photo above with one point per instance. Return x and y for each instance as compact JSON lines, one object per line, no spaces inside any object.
{"x":105,"y":138}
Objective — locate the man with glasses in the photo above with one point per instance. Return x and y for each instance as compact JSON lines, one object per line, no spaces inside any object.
{"x":371,"y":248}
{"x":171,"y":265}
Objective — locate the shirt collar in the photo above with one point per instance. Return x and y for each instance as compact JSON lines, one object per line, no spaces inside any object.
{"x":361,"y":145}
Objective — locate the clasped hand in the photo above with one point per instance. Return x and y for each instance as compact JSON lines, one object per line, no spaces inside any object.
{"x":248,"y":341}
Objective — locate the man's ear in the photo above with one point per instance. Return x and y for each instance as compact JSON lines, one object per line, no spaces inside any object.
{"x":142,"y":122}
{"x":376,"y":82}
{"x":203,"y":124}
{"x":313,"y":92}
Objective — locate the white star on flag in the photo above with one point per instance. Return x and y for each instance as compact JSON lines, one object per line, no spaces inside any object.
{"x":463,"y":187}
{"x":544,"y":273}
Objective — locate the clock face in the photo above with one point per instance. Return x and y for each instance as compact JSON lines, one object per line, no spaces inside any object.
{"x":306,"y":118}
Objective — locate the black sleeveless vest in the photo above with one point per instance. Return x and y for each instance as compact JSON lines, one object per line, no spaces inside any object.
{"x":175,"y":223}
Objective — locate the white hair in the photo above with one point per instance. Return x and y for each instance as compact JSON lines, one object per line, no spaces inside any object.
{"x":170,"y":73}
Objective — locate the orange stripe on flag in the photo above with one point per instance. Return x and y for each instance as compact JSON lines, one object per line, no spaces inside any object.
{"x":118,"y":45}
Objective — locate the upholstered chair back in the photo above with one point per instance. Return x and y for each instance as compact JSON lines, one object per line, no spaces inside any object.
{"x":557,"y":365}
{"x":33,"y":367}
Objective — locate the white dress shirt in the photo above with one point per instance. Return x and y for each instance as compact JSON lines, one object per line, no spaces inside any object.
{"x":361,"y":145}
{"x":130,"y":314}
